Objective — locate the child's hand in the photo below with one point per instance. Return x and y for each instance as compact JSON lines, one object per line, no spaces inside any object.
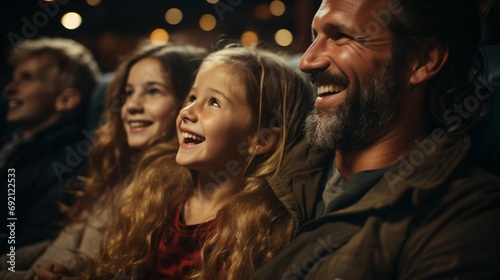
{"x":54,"y":271}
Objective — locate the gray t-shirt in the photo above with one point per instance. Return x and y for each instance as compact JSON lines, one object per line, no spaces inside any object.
{"x":340,"y":193}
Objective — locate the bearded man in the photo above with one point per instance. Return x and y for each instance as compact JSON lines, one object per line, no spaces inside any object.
{"x":398,"y":85}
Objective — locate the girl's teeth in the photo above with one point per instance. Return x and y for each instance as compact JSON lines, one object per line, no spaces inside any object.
{"x":138,"y":124}
{"x":191,"y":136}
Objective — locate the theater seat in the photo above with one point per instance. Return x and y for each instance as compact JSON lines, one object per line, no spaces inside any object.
{"x":96,"y":102}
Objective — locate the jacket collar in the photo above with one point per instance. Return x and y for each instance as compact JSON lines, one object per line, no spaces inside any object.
{"x":425,"y":168}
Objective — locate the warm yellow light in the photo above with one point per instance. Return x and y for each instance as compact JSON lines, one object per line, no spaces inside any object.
{"x":173,"y":16}
{"x":207,"y":22}
{"x":283,"y":37}
{"x":159,"y":36}
{"x":249,"y":38}
{"x":277,"y":8}
{"x":213,"y":1}
{"x":93,"y":2}
{"x":261,"y":12}
{"x":71,"y":20}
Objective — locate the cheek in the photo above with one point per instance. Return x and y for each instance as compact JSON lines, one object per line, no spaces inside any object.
{"x":40,"y":103}
{"x":37,"y":96}
{"x":123,"y":112}
{"x":166,"y":118}
{"x":237,"y":135}
{"x":357,"y":61}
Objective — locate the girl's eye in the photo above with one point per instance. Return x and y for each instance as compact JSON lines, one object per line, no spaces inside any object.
{"x":214,"y":102}
{"x":153,"y":91}
{"x":126,"y":94}
{"x":190,"y":100}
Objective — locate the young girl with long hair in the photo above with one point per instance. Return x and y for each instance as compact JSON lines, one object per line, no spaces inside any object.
{"x":232,"y":212}
{"x":142,"y":103}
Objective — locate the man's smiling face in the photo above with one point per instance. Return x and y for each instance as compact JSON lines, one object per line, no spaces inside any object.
{"x":356,"y":78}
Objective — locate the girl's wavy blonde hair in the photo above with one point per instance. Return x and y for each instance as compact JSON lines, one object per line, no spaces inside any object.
{"x":253,"y":225}
{"x":112,"y":161}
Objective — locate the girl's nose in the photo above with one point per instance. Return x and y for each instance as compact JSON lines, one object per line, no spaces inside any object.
{"x":134,"y":104}
{"x":188,"y":113}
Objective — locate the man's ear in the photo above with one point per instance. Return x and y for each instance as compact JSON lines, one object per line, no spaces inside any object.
{"x":428,"y":64}
{"x":68,"y":100}
{"x":265,"y":141}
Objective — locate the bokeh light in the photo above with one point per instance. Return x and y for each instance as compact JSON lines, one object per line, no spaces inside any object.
{"x":159,"y":36}
{"x":283,"y":37}
{"x":71,"y":20}
{"x":93,"y":3}
{"x":213,"y":1}
{"x":249,"y":38}
{"x":207,"y":22}
{"x":261,"y":12}
{"x":173,"y":16}
{"x":277,"y":8}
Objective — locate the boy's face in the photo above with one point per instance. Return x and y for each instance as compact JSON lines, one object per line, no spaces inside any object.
{"x":32,"y":93}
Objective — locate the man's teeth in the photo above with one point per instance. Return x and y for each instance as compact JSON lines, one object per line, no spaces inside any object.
{"x":139,"y":124}
{"x":191,"y":136}
{"x":14,"y":103}
{"x":330,"y":88}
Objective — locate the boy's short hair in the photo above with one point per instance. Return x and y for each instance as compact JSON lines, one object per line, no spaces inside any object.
{"x":75,"y":64}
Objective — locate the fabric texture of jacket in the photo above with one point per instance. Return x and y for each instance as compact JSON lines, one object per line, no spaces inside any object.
{"x":41,"y":167}
{"x":302,"y":167}
{"x":433,"y":215}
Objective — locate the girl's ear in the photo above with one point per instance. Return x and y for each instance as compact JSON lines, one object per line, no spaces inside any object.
{"x":265,"y":141}
{"x":68,"y":100}
{"x":429,"y":63}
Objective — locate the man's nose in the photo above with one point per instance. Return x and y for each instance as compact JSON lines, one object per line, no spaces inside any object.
{"x":314,"y":58}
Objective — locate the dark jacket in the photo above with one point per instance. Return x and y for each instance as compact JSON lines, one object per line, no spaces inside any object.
{"x":302,"y":167}
{"x":41,"y":168}
{"x":432,"y":216}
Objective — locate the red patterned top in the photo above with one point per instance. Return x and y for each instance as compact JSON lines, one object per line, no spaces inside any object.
{"x":179,"y":248}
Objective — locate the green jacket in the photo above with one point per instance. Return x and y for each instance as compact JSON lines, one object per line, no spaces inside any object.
{"x":432,"y":216}
{"x":302,"y":167}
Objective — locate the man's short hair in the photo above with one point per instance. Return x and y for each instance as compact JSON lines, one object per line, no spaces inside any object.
{"x":456,"y":24}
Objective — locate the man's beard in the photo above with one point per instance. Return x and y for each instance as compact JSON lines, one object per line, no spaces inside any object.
{"x":368,"y":110}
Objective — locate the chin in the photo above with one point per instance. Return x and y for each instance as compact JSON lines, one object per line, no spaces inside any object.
{"x":137,"y":146}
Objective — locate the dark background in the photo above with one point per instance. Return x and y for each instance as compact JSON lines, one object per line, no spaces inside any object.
{"x":114,"y":27}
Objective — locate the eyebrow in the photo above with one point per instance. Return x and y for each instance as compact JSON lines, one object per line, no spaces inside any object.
{"x":218,"y":92}
{"x":151,"y":83}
